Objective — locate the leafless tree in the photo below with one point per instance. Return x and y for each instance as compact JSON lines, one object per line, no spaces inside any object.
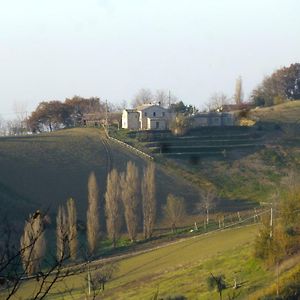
{"x":113,"y":206}
{"x":130,"y":193}
{"x":208,"y":201}
{"x":149,"y":200}
{"x":238,"y":96}
{"x":72,"y":227}
{"x":61,"y":233}
{"x":217,"y":101}
{"x":175,"y":210}
{"x":16,"y":263}
{"x":33,"y":243}
{"x":92,"y":215}
{"x":98,"y":279}
{"x":142,"y":97}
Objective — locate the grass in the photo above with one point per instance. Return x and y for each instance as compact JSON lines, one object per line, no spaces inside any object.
{"x":42,"y":171}
{"x":283,"y":113}
{"x":181,"y":268}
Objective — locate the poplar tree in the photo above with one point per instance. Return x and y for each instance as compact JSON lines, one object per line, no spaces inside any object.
{"x":61,"y":233}
{"x":112,"y":206}
{"x":33,"y":244}
{"x":130,"y":191}
{"x":149,"y":200}
{"x":72,"y":227}
{"x":92,"y":215}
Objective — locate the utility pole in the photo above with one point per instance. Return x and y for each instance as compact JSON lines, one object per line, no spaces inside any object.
{"x":89,"y":279}
{"x":106,"y":116}
{"x":271,"y":222}
{"x":169,"y":99}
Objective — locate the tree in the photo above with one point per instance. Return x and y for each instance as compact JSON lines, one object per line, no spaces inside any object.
{"x":61,"y":233}
{"x":282,"y":85}
{"x":72,"y":227}
{"x":33,"y":243}
{"x":238,"y":96}
{"x":144,"y":96}
{"x":130,"y":193}
{"x":149,"y":200}
{"x":175,"y":210}
{"x":51,"y":115}
{"x":181,"y":124}
{"x":98,"y":279}
{"x":92,"y":215}
{"x":112,"y":206}
{"x":217,"y":282}
{"x":217,"y":101}
{"x":181,"y":108}
{"x":208,"y":201}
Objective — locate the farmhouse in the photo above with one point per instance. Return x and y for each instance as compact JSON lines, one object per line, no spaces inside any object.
{"x":146,"y":117}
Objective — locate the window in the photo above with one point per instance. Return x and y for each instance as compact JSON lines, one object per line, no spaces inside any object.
{"x":157,"y":125}
{"x":163,"y":113}
{"x":154,"y":114}
{"x":145,"y":114}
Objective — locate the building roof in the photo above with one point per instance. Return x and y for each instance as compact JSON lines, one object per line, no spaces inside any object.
{"x":148,"y":105}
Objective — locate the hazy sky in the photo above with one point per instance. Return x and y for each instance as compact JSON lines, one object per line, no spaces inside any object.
{"x":53,"y":49}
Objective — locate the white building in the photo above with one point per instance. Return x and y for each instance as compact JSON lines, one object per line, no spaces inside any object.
{"x":146,"y":117}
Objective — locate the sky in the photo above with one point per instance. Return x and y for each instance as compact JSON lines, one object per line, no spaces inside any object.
{"x":54,"y":49}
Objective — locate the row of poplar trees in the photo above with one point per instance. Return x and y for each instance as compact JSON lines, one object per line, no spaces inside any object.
{"x":122,"y":202}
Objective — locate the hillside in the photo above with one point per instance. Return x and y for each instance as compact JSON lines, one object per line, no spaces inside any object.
{"x":181,"y":268}
{"x":282,"y":113}
{"x":243,"y":163}
{"x":41,"y":171}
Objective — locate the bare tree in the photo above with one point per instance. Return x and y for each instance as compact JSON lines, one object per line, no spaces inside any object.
{"x":100,"y":277}
{"x":33,"y":243}
{"x":143,"y":96}
{"x":61,"y":233}
{"x":208,"y":201}
{"x":112,"y":206}
{"x":72,"y":228}
{"x":217,"y":101}
{"x":130,"y":193}
{"x":92,"y":215}
{"x":238,"y":96}
{"x":175,"y":210}
{"x":149,"y":200}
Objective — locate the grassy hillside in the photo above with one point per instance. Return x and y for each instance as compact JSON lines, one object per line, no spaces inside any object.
{"x":283,"y":113}
{"x":181,"y":269}
{"x":41,"y":171}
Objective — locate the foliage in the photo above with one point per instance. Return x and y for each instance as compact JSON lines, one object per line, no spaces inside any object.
{"x":181,"y":108}
{"x":55,"y":114}
{"x":181,"y":124}
{"x":282,"y":85}
{"x":276,"y":242}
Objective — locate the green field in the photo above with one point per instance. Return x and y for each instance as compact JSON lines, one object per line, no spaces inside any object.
{"x":180,"y":268}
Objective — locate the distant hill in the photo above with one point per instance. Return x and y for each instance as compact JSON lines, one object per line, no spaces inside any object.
{"x":41,"y":171}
